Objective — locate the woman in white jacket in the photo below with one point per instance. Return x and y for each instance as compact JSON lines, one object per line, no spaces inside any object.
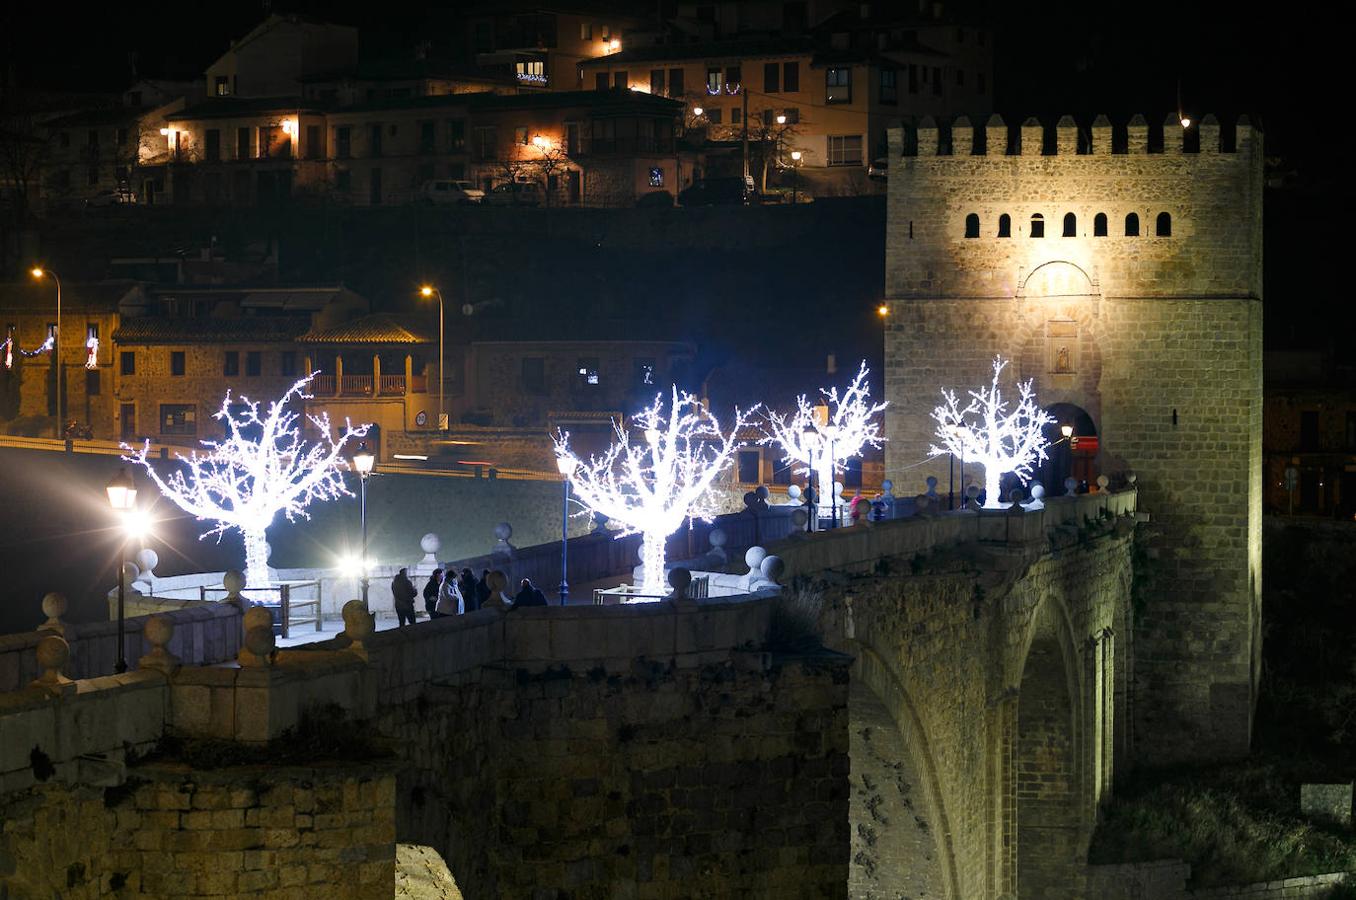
{"x":450,"y":600}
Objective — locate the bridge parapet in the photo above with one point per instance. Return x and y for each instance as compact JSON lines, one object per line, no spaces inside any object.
{"x":860,"y":547}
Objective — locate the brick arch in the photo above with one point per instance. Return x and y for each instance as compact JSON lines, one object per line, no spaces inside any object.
{"x":884,"y":690}
{"x":1045,"y":753}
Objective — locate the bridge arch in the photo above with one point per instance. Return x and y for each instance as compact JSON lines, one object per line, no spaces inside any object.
{"x":914,"y":841}
{"x":1046,"y":777}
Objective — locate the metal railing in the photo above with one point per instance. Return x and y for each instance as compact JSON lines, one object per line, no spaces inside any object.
{"x":699,"y":589}
{"x":392,"y":384}
{"x":356,"y":384}
{"x":287,"y":606}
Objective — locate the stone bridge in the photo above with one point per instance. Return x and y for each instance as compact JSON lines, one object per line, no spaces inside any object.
{"x":663,"y":750}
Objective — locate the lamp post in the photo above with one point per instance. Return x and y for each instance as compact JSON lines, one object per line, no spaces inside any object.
{"x":429,"y":290}
{"x":122,"y":496}
{"x":795,"y":175}
{"x":363,"y":461}
{"x":39,"y":272}
{"x":829,"y":432}
{"x":566,"y":465}
{"x":810,"y":438}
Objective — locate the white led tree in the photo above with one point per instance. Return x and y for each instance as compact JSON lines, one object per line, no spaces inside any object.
{"x":987,"y":432}
{"x":243,"y":482}
{"x":843,"y":428}
{"x":651,"y":487}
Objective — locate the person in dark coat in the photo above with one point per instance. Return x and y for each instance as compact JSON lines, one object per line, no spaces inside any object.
{"x":468,"y":586}
{"x":403,"y":593}
{"x":528,"y":595}
{"x":434,"y":582}
{"x":483,"y":589}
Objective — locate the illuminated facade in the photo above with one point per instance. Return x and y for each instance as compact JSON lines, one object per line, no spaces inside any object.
{"x":1121,"y":271}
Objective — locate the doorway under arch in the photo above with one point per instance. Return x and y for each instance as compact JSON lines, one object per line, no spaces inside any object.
{"x":1046,"y":770}
{"x":1074,"y":456}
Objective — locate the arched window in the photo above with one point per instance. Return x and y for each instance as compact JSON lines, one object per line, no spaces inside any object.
{"x":1070,"y":225}
{"x":1163,"y":227}
{"x":1099,"y":225}
{"x":972,"y":226}
{"x":1131,"y":225}
{"x":1005,"y":225}
{"x":1037,"y":225}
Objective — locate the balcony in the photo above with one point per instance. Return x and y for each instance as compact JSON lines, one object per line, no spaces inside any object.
{"x":361,"y":385}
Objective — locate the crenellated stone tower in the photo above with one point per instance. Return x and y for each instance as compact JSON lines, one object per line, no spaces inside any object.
{"x":1128,"y":285}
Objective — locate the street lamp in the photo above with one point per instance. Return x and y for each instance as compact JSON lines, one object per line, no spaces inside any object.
{"x":829,"y":431}
{"x":566,"y":465}
{"x":429,"y":290}
{"x":122,"y":496}
{"x":363,"y":461}
{"x":1066,"y":430}
{"x":38,"y":272}
{"x":781,"y":120}
{"x":795,"y":174}
{"x":698,"y":111}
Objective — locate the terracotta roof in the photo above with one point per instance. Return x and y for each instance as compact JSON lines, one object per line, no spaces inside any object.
{"x":202,"y":330}
{"x":732,"y":50}
{"x":230,"y":107}
{"x":381,"y":328}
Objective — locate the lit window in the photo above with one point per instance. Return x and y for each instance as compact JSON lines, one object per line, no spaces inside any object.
{"x":845,"y":150}
{"x":713,"y":81}
{"x":838,"y":85}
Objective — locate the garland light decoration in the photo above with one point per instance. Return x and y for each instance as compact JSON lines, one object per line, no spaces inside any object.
{"x":845,"y":426}
{"x":651,"y":486}
{"x":244,"y":482}
{"x":986,"y":432}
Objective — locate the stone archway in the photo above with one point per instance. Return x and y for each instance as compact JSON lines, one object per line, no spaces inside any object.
{"x":1065,"y":458}
{"x":1050,"y":836}
{"x":900,"y":832}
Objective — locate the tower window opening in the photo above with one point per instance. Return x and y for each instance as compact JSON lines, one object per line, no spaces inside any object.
{"x":1037,"y":225}
{"x":972,"y":225}
{"x":1099,"y":225}
{"x":1070,"y":225}
{"x":1163,"y":226}
{"x":1005,"y":225}
{"x":1132,"y":225}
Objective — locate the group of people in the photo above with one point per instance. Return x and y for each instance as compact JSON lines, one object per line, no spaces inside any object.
{"x":448,"y":594}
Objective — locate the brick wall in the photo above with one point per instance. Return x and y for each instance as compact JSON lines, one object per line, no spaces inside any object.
{"x":174,"y":833}
{"x":1157,"y":338}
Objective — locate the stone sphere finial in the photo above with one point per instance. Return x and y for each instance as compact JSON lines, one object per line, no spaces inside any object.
{"x":799,"y":519}
{"x":932,"y":485}
{"x":754,"y":557}
{"x":680,"y":579}
{"x":53,"y":653}
{"x":717,"y":537}
{"x":773,"y":568}
{"x":358,"y":626}
{"x":147,"y":559}
{"x":1037,"y":491}
{"x":793,"y":493}
{"x":503,"y":531}
{"x":1015,"y":495}
{"x":887,"y":486}
{"x":1070,"y":486}
{"x":130,"y":571}
{"x":234,"y":582}
{"x":256,"y":649}
{"x":1131,"y":478}
{"x":1102,"y":482}
{"x":158,"y":631}
{"x":497,"y":582}
{"x":430,"y":543}
{"x":762,"y":492}
{"x":54,"y":607}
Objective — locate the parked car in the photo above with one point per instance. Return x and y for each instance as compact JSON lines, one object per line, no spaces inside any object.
{"x":879,"y":170}
{"x":451,"y":192}
{"x":515,"y":193}
{"x":118,"y":197}
{"x":718,"y":192}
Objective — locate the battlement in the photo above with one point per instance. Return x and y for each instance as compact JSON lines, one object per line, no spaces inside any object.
{"x":960,"y":138}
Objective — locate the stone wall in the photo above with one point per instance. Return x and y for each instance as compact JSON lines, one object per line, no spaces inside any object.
{"x":170,"y":832}
{"x":1167,"y":880}
{"x":718,"y":779}
{"x":1157,"y":337}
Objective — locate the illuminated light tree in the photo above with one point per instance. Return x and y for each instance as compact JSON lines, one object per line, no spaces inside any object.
{"x":844,"y":426}
{"x":985,"y":431}
{"x":651,"y":487}
{"x":244,"y":482}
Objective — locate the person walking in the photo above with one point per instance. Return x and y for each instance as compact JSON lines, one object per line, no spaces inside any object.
{"x":403,"y":593}
{"x":469,"y":590}
{"x":450,"y":601}
{"x":528,"y":595}
{"x":431,"y":593}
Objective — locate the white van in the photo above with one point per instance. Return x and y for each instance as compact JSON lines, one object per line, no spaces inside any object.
{"x":450,"y":193}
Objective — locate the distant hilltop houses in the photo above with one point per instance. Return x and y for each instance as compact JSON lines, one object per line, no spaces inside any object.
{"x":589,"y":108}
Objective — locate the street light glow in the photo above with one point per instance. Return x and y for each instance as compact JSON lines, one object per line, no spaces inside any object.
{"x":426,"y":291}
{"x":781,"y":120}
{"x":883,"y":310}
{"x":697,"y":111}
{"x":37,"y":272}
